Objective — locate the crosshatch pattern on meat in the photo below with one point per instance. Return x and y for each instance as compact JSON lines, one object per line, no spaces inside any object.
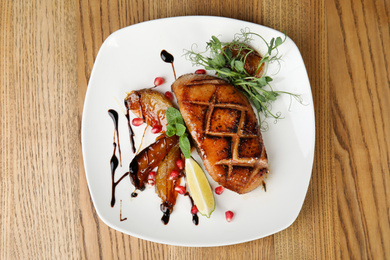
{"x":227,"y":124}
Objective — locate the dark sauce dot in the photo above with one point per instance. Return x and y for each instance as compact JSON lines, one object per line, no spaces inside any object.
{"x":195,"y":219}
{"x":166,"y":56}
{"x":165,"y":219}
{"x":134,"y":194}
{"x":167,"y":213}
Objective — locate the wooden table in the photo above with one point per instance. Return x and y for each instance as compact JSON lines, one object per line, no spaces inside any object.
{"x":47,"y":51}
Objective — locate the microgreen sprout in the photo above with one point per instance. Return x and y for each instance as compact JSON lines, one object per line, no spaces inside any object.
{"x":228,"y":60}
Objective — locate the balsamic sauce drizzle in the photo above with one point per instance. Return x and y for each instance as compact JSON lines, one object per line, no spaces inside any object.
{"x":120,"y":214}
{"x":195,"y":218}
{"x":131,"y":133}
{"x":114,"y":162}
{"x":114,"y":115}
{"x":168,"y":58}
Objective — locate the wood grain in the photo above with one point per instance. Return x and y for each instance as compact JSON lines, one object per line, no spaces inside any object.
{"x":359,"y":77}
{"x":47,"y":51}
{"x":41,"y":118}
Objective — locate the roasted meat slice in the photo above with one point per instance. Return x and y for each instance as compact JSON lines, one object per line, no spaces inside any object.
{"x":225,"y":129}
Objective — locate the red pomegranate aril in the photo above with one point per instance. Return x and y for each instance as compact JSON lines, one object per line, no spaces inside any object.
{"x":180,"y":164}
{"x":152,"y":175}
{"x":194,"y":209}
{"x":229,"y":215}
{"x":137,"y":121}
{"x":219,"y":190}
{"x":200,"y":71}
{"x":174,"y":174}
{"x":180,"y":189}
{"x":169,"y":95}
{"x":158,"y":81}
{"x":152,"y":178}
{"x":156,"y":129}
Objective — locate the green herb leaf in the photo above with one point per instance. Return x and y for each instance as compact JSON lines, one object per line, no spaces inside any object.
{"x":215,"y":40}
{"x":268,"y":79}
{"x":228,"y":53}
{"x":173,"y":116}
{"x":232,"y":68}
{"x":176,"y":126}
{"x":239,"y":66}
{"x":278,"y":41}
{"x":185,"y":146}
{"x":171,"y":130}
{"x":180,"y":129}
{"x":219,"y":61}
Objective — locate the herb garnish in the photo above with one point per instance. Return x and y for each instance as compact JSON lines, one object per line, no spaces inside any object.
{"x":232,"y":68}
{"x":177,"y":126}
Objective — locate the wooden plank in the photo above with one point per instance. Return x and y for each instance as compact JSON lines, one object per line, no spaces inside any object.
{"x":7,"y":127}
{"x":359,"y":58}
{"x":309,"y":34}
{"x":41,"y":123}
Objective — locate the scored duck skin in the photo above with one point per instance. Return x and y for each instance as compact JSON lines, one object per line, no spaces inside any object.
{"x":224,"y":127}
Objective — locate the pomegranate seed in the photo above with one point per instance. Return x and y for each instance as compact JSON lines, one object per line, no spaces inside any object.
{"x":194,"y":209}
{"x":200,"y":71}
{"x":169,"y":95}
{"x":152,"y":178}
{"x":180,"y":164}
{"x":158,"y":81}
{"x":229,"y":216}
{"x":219,"y":190}
{"x":174,"y":174}
{"x":156,"y":129}
{"x":152,"y":175}
{"x":180,"y":189}
{"x":137,"y":121}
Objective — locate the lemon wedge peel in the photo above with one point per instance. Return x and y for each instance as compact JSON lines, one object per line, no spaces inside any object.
{"x":199,"y":188}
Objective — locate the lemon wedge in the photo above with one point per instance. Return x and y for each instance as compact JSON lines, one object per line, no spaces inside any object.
{"x":199,"y":188}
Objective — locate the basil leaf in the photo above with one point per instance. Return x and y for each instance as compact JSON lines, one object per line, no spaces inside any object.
{"x":180,"y":129}
{"x":173,"y":116}
{"x":171,"y":130}
{"x":185,"y":146}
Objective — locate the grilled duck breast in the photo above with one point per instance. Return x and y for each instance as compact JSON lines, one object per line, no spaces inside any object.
{"x":225,"y":129}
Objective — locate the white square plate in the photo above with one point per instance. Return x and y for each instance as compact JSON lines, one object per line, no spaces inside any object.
{"x":129,"y":59}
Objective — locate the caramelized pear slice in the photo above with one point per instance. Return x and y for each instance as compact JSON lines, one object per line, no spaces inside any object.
{"x":149,"y":105}
{"x":148,"y":159}
{"x":165,"y":188}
